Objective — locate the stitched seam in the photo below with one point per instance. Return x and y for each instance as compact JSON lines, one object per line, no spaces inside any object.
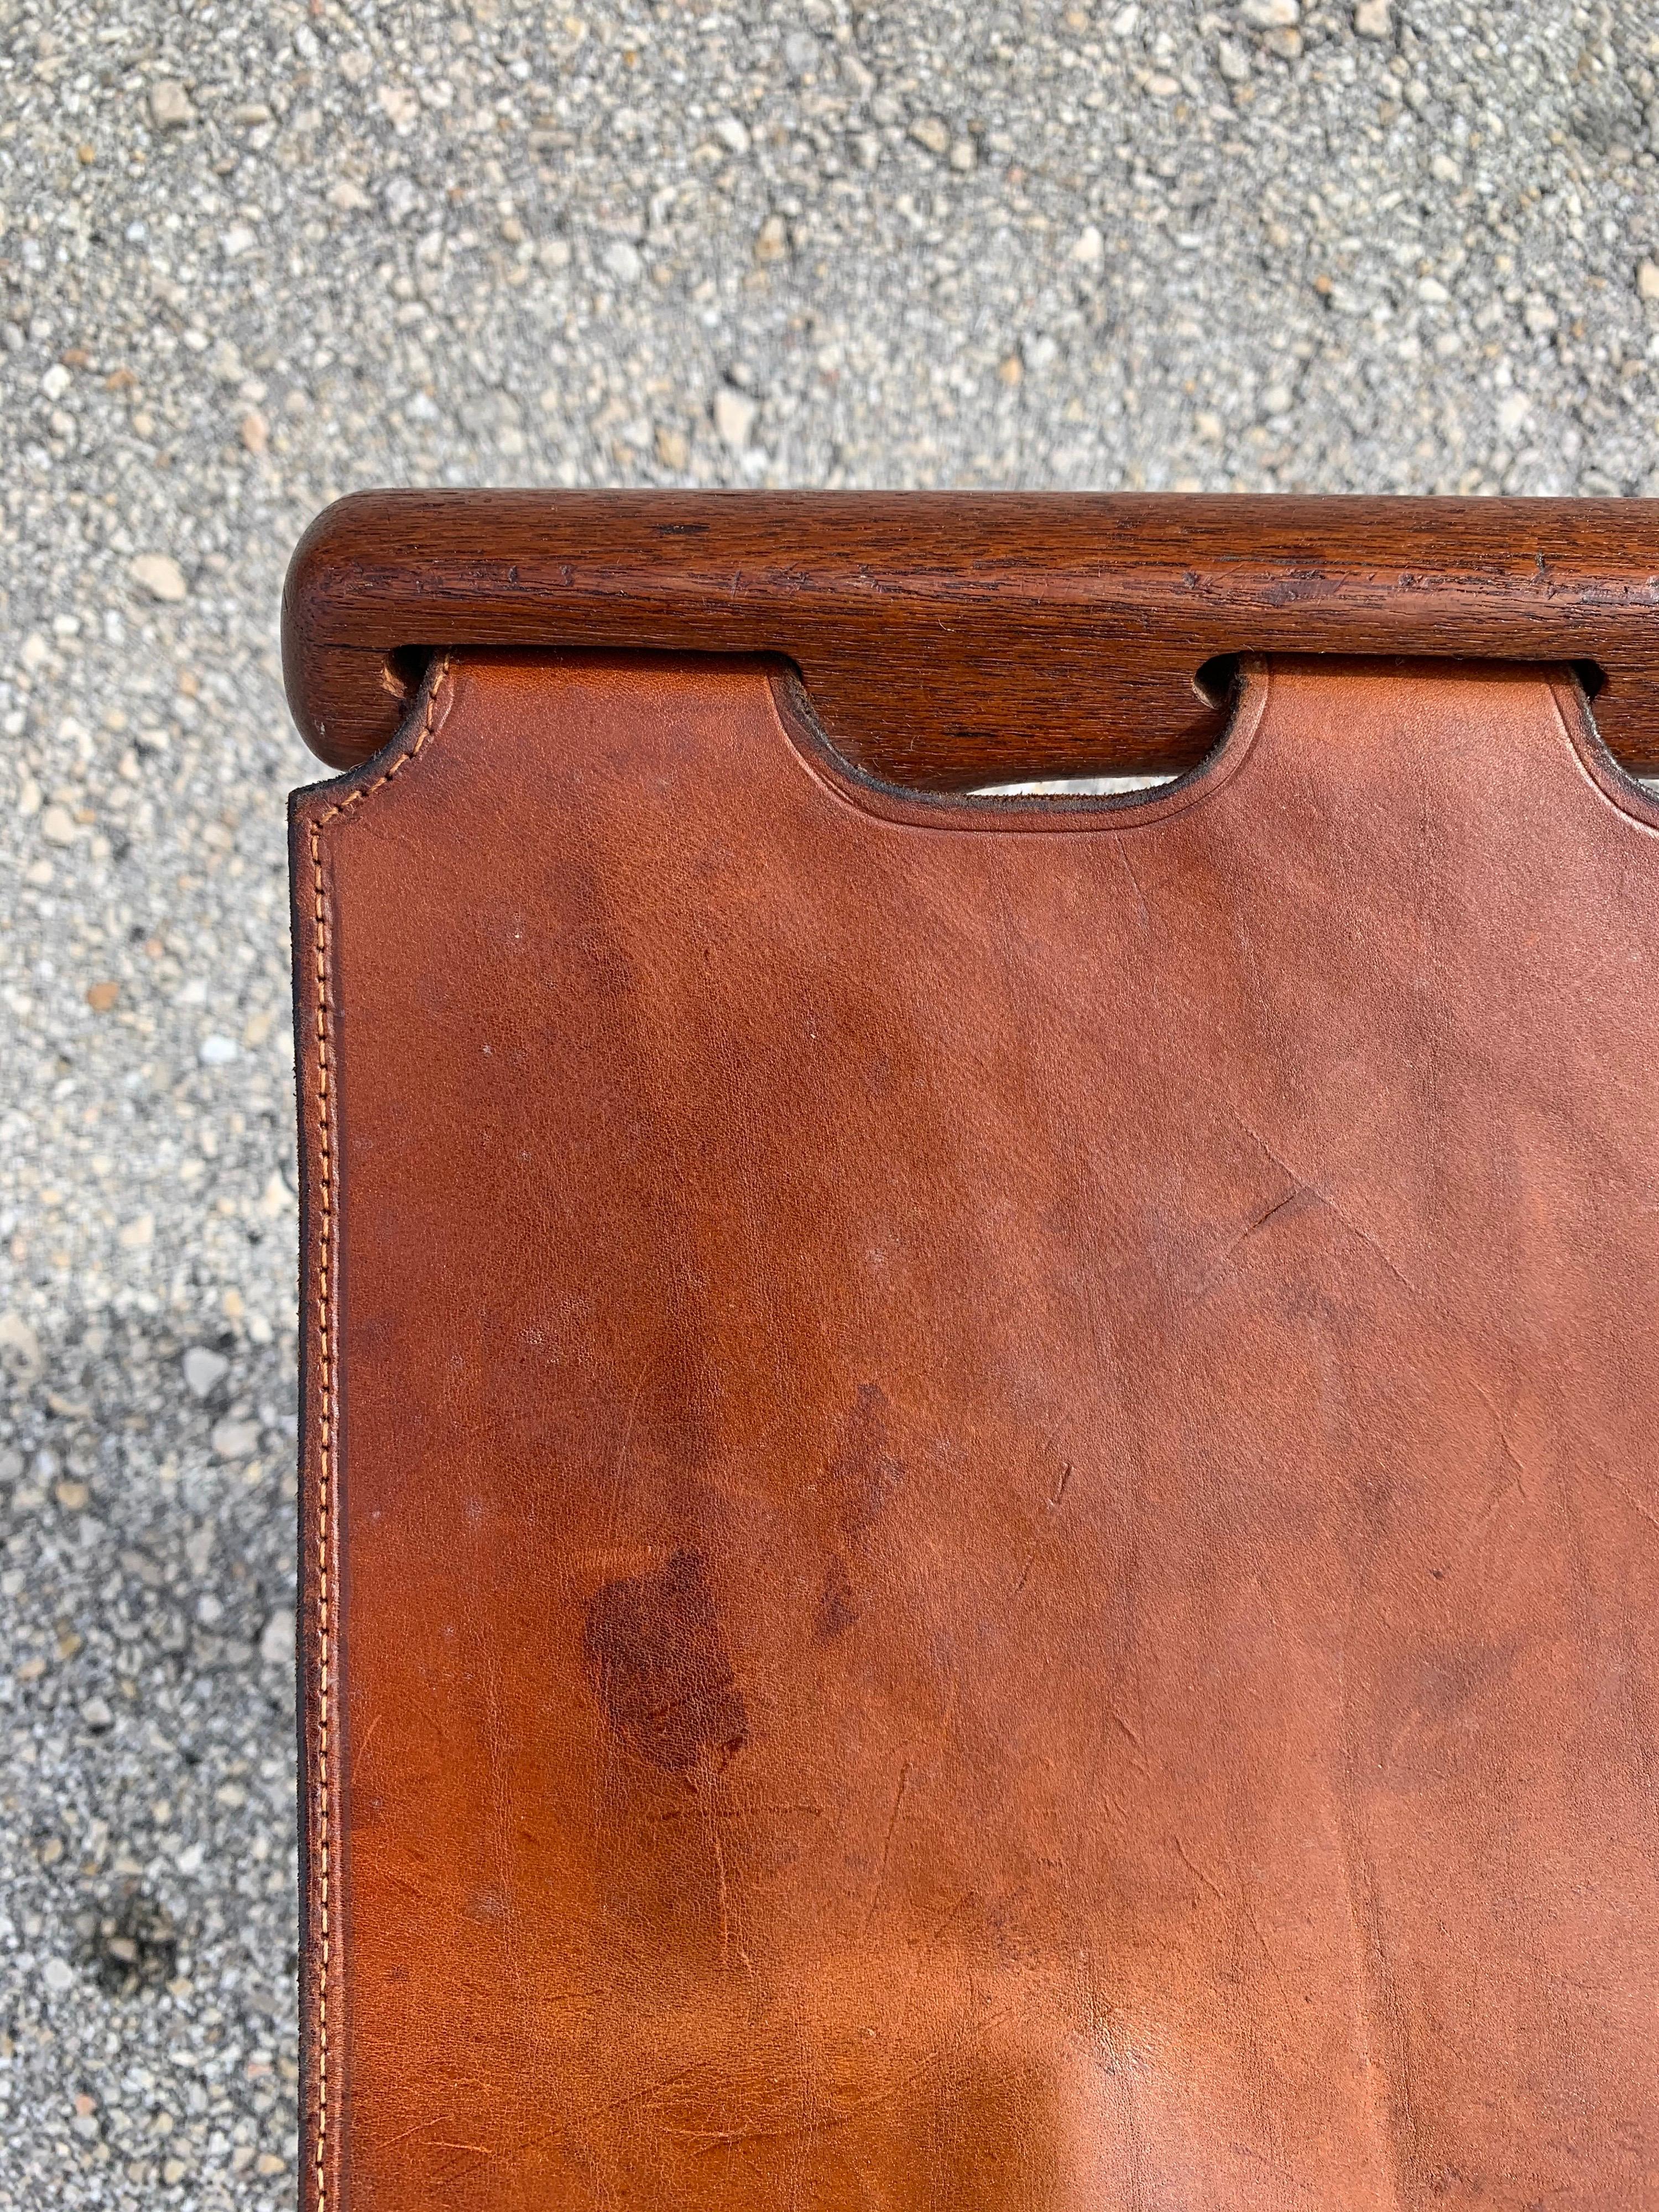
{"x":327,"y":1393}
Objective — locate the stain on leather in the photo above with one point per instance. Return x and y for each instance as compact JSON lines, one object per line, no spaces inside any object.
{"x":836,"y":1611}
{"x":660,"y":1670}
{"x":863,"y":1470}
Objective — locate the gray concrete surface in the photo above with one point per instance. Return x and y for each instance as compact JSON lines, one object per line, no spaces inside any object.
{"x":250,"y":257}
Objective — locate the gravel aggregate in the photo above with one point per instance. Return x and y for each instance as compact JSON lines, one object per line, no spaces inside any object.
{"x":251,"y":258}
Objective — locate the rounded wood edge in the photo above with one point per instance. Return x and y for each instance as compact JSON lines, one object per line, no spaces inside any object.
{"x":948,"y":638}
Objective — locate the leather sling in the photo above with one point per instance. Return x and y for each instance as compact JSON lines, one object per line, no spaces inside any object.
{"x":979,"y":1490}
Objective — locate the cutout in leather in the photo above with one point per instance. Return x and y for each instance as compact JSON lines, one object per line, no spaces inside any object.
{"x":1030,"y":800}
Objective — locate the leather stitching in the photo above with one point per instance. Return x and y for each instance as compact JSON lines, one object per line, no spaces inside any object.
{"x":327,"y":1395}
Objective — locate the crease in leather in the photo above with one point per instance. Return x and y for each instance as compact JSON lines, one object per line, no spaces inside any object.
{"x":994,"y":1497}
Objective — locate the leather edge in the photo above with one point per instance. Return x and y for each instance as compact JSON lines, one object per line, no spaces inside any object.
{"x":323,"y":2178}
{"x":313,"y":1722}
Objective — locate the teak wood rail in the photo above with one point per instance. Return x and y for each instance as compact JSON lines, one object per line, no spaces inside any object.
{"x":947,"y":639}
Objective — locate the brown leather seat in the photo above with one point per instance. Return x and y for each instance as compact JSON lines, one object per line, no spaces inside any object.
{"x":981,"y":1491}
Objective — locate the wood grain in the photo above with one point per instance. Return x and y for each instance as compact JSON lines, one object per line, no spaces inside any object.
{"x":948,"y":638}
